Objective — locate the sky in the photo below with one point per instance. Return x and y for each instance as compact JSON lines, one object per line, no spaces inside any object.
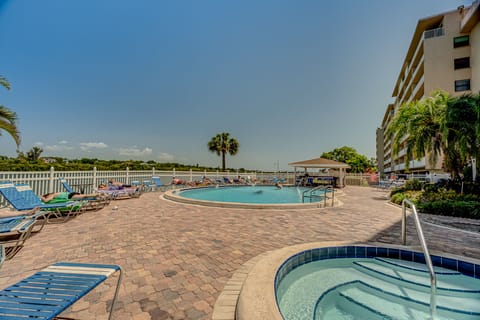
{"x":156,"y":80}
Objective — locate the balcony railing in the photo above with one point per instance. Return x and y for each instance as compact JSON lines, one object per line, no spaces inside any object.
{"x":432,"y":33}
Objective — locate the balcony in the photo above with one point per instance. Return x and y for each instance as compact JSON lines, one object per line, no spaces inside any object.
{"x":432,"y":33}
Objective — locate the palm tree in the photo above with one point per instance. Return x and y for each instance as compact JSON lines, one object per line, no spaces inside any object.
{"x":419,"y":127}
{"x":34,"y":153}
{"x":8,"y":118}
{"x":4,"y":82}
{"x":463,"y":128}
{"x":222,"y":144}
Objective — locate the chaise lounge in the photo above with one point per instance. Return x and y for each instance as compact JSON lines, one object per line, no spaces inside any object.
{"x":14,"y":231}
{"x":92,"y":203}
{"x":22,"y":198}
{"x":47,"y":293}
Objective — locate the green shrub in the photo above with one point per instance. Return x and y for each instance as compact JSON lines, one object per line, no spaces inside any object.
{"x":413,"y":196}
{"x":414,"y":185}
{"x":440,"y":201}
{"x":397,"y":190}
{"x":455,"y":208}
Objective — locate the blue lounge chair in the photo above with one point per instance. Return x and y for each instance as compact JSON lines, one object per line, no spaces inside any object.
{"x":22,"y":198}
{"x":158,"y":184}
{"x":136,"y":183}
{"x":47,"y":293}
{"x":92,"y":203}
{"x":14,"y":231}
{"x":117,"y":193}
{"x":147,"y":186}
{"x":2,"y":255}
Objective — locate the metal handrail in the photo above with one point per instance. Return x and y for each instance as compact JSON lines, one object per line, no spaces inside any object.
{"x":324,"y":189}
{"x":311,"y":190}
{"x":428,"y":260}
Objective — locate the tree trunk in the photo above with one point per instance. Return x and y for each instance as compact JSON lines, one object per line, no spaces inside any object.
{"x":223,"y":160}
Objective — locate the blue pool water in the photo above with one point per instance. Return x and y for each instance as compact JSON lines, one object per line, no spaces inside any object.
{"x":248,"y":194}
{"x":341,"y":283}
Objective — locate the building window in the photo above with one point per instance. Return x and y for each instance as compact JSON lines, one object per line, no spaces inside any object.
{"x":462,"y":85}
{"x":462,"y":63}
{"x":461,"y":41}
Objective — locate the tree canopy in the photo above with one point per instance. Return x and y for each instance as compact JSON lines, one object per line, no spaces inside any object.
{"x":438,"y":125}
{"x":221,"y":144}
{"x":8,"y":118}
{"x":358,"y":163}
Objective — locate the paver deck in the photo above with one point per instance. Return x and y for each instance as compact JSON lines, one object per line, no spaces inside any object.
{"x":178,"y":257}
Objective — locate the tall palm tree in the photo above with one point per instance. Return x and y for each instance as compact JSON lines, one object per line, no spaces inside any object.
{"x":419,"y":127}
{"x":222,"y":144}
{"x":463,"y":127}
{"x":8,"y":118}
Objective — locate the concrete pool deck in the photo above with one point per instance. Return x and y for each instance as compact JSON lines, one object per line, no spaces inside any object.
{"x":178,"y":258}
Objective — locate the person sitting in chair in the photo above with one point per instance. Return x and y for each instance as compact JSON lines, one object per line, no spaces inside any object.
{"x":118,"y":184}
{"x":177,"y":181}
{"x":58,"y":197}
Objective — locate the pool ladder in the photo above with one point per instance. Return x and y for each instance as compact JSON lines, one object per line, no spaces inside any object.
{"x":428,"y":260}
{"x":310,"y":194}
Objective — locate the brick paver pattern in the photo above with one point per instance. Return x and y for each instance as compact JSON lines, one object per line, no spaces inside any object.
{"x":178,"y":257}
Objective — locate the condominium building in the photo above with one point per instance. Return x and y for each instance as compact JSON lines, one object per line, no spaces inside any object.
{"x":444,"y":54}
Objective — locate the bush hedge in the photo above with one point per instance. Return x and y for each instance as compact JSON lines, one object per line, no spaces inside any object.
{"x":454,"y":208}
{"x":439,"y":201}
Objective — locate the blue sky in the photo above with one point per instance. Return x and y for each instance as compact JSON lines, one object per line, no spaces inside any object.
{"x":155,"y":80}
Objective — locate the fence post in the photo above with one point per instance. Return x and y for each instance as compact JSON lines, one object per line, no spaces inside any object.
{"x":191,"y":177}
{"x":95,"y":178}
{"x":52,"y":176}
{"x":217,"y":174}
{"x":128,"y":176}
{"x":153,"y":171}
{"x":174,"y":172}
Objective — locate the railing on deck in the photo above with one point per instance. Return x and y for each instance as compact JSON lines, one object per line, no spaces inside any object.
{"x":426,"y":253}
{"x":432,"y":33}
{"x":311,"y":194}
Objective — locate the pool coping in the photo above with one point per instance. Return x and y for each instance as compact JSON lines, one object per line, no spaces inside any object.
{"x":171,"y":195}
{"x":250,"y":293}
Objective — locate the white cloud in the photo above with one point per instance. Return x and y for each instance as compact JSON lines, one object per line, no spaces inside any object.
{"x":63,"y":142}
{"x":92,"y":145}
{"x":38,"y":143}
{"x":135,"y":151}
{"x":56,"y":147}
{"x":163,"y":156}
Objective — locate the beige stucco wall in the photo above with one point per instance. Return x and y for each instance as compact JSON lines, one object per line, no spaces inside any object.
{"x":440,"y":55}
{"x":475,"y":58}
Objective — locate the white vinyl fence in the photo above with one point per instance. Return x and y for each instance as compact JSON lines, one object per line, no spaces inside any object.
{"x":49,"y":181}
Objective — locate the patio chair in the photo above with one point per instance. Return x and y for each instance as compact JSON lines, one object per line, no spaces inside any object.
{"x":22,"y":198}
{"x":135,"y":183}
{"x":158,"y":184}
{"x":118,"y":193}
{"x":49,"y":292}
{"x":147,"y":185}
{"x":92,"y":203}
{"x":14,"y":231}
{"x":2,"y":256}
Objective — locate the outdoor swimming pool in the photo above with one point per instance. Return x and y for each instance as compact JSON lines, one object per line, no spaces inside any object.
{"x":248,"y":194}
{"x":359,"y":282}
{"x":255,"y":197}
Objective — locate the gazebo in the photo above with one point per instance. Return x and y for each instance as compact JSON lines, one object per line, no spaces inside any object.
{"x":322,"y":163}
